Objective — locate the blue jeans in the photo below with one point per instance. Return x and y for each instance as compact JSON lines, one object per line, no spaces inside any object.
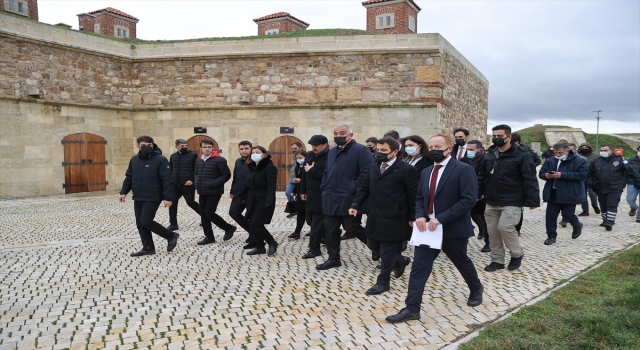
{"x":289,"y":190}
{"x":632,"y":197}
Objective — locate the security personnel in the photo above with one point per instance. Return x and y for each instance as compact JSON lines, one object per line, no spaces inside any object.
{"x":608,"y":177}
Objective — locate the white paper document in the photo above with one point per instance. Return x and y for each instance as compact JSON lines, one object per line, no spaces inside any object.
{"x":433,"y":239}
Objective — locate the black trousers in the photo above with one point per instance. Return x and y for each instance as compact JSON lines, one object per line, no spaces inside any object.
{"x":609,"y":205}
{"x":301,"y":218}
{"x":591,"y":194}
{"x":145,"y":213}
{"x":315,"y":219}
{"x":260,"y":235}
{"x":351,"y":224}
{"x":456,"y":251}
{"x":208,"y":206}
{"x":551,"y":217}
{"x":519,"y":225}
{"x":235,"y":212}
{"x":189,"y":194}
{"x":389,"y":255}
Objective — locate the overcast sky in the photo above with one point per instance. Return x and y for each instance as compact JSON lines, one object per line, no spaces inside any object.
{"x":549,"y":62}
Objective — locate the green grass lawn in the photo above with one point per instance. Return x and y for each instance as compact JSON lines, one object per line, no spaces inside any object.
{"x":612,"y":141}
{"x":599,"y":310}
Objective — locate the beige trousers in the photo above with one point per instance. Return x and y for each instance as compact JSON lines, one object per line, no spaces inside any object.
{"x":501,"y":226}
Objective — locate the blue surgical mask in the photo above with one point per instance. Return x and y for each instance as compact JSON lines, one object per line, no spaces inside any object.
{"x":471,"y":154}
{"x":256,"y":157}
{"x":412,"y":151}
{"x":300,"y":161}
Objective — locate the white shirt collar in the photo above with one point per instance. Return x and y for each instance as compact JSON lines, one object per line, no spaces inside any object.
{"x":445,"y":162}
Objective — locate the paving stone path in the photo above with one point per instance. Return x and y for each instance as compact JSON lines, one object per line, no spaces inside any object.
{"x":67,"y":281}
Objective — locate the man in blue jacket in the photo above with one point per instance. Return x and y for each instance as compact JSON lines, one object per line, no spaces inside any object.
{"x":564,"y":188}
{"x":347,"y":165}
{"x":149,"y":176}
{"x":237,"y":205}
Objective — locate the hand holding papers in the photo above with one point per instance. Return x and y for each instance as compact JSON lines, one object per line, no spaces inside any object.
{"x":430,"y":239}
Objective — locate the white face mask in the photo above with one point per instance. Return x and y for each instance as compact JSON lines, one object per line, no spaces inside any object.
{"x":412,"y":151}
{"x":604,"y":154}
{"x":563,"y":157}
{"x":471,"y":154}
{"x":256,"y":157}
{"x":638,"y":154}
{"x":300,"y":161}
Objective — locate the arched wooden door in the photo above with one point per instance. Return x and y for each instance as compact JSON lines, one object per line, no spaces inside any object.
{"x":282,"y":157}
{"x":194,"y":143}
{"x":85,"y":164}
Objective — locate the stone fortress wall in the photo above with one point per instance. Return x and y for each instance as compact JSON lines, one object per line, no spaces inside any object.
{"x":246,"y":89}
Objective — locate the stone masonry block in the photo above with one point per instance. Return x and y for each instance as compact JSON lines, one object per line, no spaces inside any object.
{"x":428,"y":73}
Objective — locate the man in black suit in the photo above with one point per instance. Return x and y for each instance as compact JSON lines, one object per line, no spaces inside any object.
{"x":446,"y":194}
{"x":461,"y":137}
{"x":390,"y":186}
{"x":314,"y":165}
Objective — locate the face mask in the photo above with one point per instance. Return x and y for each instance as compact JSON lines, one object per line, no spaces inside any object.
{"x":563,"y":157}
{"x":340,"y":140}
{"x":412,"y":151}
{"x":184,"y":150}
{"x":584,"y":151}
{"x":300,"y":161}
{"x":370,"y":148}
{"x":382,"y":157}
{"x":604,"y":154}
{"x":498,"y":142}
{"x":437,"y":155}
{"x":146,"y":150}
{"x":638,"y":154}
{"x":471,"y":154}
{"x":256,"y":157}
{"x":460,"y":142}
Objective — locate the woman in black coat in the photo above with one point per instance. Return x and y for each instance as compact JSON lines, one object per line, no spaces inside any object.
{"x":300,"y":204}
{"x":417,"y":151}
{"x":260,"y":189}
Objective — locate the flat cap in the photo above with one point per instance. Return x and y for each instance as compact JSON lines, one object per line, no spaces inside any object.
{"x":318,"y":140}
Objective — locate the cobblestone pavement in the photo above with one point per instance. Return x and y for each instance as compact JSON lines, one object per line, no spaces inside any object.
{"x":67,"y":281}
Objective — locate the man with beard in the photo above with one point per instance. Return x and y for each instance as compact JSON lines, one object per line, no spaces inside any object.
{"x":460,"y":137}
{"x":237,"y":205}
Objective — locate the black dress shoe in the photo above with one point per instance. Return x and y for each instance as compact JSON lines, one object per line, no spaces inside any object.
{"x":486,"y":249}
{"x":143,"y":252}
{"x":403,"y":315}
{"x":475,"y":298}
{"x":249,"y":245}
{"x":273,"y":247}
{"x":514,"y":264}
{"x":493,"y":266}
{"x":378,"y":289}
{"x":257,"y":251}
{"x":398,"y":271}
{"x":308,"y":234}
{"x":577,"y":231}
{"x":172,"y":227}
{"x":291,"y":215}
{"x":597,"y":210}
{"x":229,"y":233}
{"x":329,"y":264}
{"x":294,"y":236}
{"x":173,"y":242}
{"x":311,"y":254}
{"x":480,"y":235}
{"x":584,"y":213}
{"x":549,"y":241}
{"x":207,"y":240}
{"x":375,"y":256}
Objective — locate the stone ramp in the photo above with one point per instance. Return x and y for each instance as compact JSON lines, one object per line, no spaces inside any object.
{"x":573,"y":135}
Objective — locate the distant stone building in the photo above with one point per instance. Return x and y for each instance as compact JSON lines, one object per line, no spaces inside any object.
{"x":26,"y":8}
{"x":109,"y":21}
{"x":278,"y":23}
{"x":392,"y":16}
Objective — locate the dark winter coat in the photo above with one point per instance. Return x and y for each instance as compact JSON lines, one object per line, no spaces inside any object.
{"x":570,"y":185}
{"x":475,"y":164}
{"x":635,"y":165}
{"x":392,"y":200}
{"x":183,"y":167}
{"x":345,"y":171}
{"x":240,"y":171}
{"x":422,"y":164}
{"x":508,"y":179}
{"x":609,"y":175}
{"x":536,"y":157}
{"x":211,"y":175}
{"x":548,"y":154}
{"x":312,"y":180}
{"x":149,"y":177}
{"x":260,"y":189}
{"x":300,"y":204}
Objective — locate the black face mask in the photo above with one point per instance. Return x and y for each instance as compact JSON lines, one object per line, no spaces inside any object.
{"x":460,"y":142}
{"x":437,"y":155}
{"x":146,"y":150}
{"x":498,"y":142}
{"x":340,"y":140}
{"x":584,"y":151}
{"x":382,"y":157}
{"x":184,"y":150}
{"x":371,"y":148}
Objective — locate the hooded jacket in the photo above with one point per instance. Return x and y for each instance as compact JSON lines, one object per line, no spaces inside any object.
{"x":183,"y":167}
{"x":570,"y":185}
{"x":590,"y":156}
{"x":149,"y":177}
{"x":212,"y":175}
{"x":609,"y":175}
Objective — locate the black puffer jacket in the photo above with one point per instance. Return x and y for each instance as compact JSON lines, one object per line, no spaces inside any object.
{"x":149,"y":177}
{"x":609,"y":175}
{"x":183,"y":167}
{"x":508,"y":179}
{"x":635,"y":164}
{"x":212,"y":175}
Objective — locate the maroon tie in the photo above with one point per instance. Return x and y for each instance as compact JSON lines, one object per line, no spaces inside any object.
{"x":432,"y":187}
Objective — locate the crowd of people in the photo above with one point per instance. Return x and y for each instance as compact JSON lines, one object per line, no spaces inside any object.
{"x":440,"y":184}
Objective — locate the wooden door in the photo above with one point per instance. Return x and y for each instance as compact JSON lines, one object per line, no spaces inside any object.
{"x":84,"y":163}
{"x":282,"y":158}
{"x":194,"y":143}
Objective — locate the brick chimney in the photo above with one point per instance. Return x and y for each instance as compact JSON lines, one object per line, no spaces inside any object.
{"x":278,"y":23}
{"x":26,"y":8}
{"x":109,"y":21}
{"x":392,"y":16}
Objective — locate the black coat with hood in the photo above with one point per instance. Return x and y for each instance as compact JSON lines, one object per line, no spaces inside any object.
{"x":212,"y":175}
{"x":260,"y":189}
{"x":589,"y":155}
{"x":183,"y":167}
{"x":149,"y":177}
